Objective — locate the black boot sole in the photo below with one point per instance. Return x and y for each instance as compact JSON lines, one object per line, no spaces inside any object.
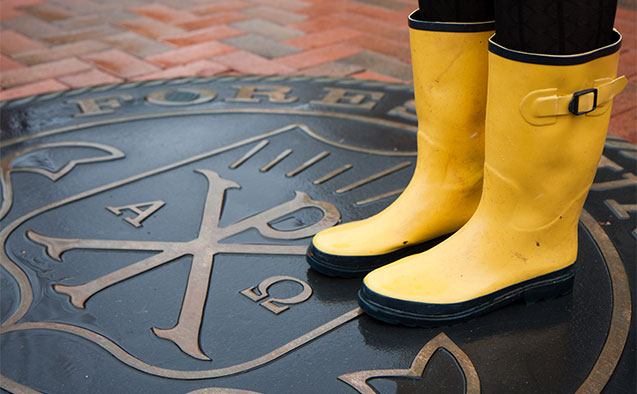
{"x":356,"y":266}
{"x":417,"y":314}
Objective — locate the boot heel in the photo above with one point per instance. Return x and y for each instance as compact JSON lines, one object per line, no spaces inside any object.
{"x":552,"y":289}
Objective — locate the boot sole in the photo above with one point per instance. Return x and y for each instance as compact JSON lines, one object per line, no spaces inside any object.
{"x":356,"y":266}
{"x":416,"y":314}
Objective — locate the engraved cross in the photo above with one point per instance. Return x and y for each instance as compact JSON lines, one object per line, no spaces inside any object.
{"x":185,"y":334}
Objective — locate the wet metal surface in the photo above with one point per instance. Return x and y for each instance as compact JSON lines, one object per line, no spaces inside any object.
{"x":153,"y":238}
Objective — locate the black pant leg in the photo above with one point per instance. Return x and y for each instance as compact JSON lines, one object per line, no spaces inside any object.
{"x":557,"y":27}
{"x":456,"y":10}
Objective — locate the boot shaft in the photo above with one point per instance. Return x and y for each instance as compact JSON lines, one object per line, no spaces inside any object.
{"x":449,"y":63}
{"x":546,"y":124}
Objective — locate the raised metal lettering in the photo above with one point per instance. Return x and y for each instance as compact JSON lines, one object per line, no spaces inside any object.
{"x":405,"y":111}
{"x":350,"y":98}
{"x":274,"y":93}
{"x":261,"y":291}
{"x":99,"y":105}
{"x":142,"y":214}
{"x":181,"y":96}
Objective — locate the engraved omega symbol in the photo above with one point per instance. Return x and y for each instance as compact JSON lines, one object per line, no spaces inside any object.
{"x":260,"y":292}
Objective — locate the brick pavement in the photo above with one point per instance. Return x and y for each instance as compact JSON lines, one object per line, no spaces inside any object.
{"x":48,"y":45}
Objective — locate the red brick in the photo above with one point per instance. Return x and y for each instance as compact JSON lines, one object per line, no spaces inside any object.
{"x":323,"y":38}
{"x":626,"y":100}
{"x":136,"y":44}
{"x":388,"y":31}
{"x":290,"y":5}
{"x":218,"y":32}
{"x":12,"y":43}
{"x":276,"y":15}
{"x":409,"y":9}
{"x":32,"y":27}
{"x":393,"y":17}
{"x":55,"y":69}
{"x":95,"y":32}
{"x":95,"y":7}
{"x":150,"y":28}
{"x":319,"y":55}
{"x":120,"y":63}
{"x":190,"y":53}
{"x":89,"y":78}
{"x":331,"y":69}
{"x":162,"y":13}
{"x":623,"y":13}
{"x":628,"y":64}
{"x":61,"y":52}
{"x":322,"y":1}
{"x":248,"y":63}
{"x":20,"y":3}
{"x":219,"y":18}
{"x":230,"y":5}
{"x":267,"y":29}
{"x":319,"y":24}
{"x":624,"y":125}
{"x":48,"y":12}
{"x":626,"y":28}
{"x":626,"y":23}
{"x":204,"y":68}
{"x":325,"y":8}
{"x":375,"y":76}
{"x":353,"y":21}
{"x":46,"y":86}
{"x":386,"y":47}
{"x":6,"y":64}
{"x":9,"y":12}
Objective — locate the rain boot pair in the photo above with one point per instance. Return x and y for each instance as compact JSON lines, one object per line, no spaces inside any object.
{"x":504,"y":163}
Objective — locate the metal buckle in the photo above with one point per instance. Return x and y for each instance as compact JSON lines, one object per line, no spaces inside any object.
{"x":573,"y":105}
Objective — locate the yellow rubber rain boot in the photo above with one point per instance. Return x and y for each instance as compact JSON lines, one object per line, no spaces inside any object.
{"x":546,"y":124}
{"x":450,"y":81}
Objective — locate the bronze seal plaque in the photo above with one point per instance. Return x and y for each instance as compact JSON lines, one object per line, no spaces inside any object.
{"x":153,"y":238}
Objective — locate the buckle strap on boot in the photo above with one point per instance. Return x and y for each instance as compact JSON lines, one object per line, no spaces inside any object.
{"x":542,"y":107}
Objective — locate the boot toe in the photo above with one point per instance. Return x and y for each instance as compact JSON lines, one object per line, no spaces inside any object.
{"x":325,"y":256}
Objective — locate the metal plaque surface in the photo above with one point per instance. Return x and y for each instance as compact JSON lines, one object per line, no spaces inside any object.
{"x":153,"y":238}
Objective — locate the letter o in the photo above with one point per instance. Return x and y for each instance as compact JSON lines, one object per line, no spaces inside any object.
{"x":181,"y":96}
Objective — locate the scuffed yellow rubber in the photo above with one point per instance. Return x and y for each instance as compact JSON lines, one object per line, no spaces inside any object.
{"x":450,"y":71}
{"x":536,"y":179}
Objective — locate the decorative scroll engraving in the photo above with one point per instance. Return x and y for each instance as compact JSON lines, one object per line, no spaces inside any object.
{"x":6,"y":167}
{"x":358,"y":380}
{"x":26,"y":291}
{"x":261,"y":291}
{"x":142,"y":214}
{"x":203,"y":249}
{"x":12,"y":386}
